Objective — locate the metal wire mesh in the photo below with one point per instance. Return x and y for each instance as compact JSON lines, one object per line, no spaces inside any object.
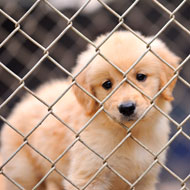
{"x":44,"y":52}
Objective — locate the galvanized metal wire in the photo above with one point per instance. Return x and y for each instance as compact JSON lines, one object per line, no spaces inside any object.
{"x":46,"y":55}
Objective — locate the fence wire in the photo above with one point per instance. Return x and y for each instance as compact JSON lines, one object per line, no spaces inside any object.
{"x":46,"y":55}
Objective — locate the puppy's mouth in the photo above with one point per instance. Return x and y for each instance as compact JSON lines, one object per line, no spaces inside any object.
{"x":130,"y":118}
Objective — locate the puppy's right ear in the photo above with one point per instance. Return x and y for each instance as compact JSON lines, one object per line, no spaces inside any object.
{"x":166,"y":72}
{"x":87,"y":102}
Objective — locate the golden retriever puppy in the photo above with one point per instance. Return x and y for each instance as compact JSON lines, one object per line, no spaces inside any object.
{"x":104,"y":153}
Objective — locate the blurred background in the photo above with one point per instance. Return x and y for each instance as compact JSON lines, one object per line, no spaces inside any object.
{"x":43,"y":24}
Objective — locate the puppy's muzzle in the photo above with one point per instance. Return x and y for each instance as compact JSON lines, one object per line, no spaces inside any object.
{"x":127,"y":108}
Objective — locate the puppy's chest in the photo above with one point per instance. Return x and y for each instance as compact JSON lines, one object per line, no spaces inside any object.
{"x":129,"y":159}
{"x":130,"y":162}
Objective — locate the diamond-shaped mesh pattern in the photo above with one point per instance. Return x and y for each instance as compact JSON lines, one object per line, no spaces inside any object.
{"x":39,"y":39}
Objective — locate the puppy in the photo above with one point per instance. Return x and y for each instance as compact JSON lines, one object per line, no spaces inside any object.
{"x":95,"y":142}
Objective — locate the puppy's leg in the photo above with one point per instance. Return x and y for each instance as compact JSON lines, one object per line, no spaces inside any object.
{"x":147,"y":183}
{"x":81,"y":174}
{"x":145,"y":187}
{"x":96,"y":184}
{"x":90,"y":187}
{"x":20,"y":170}
{"x":105,"y":180}
{"x":11,"y":186}
{"x":51,"y":185}
{"x":83,"y":168}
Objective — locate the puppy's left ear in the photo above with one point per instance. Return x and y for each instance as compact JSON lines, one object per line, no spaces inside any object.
{"x":166,"y":72}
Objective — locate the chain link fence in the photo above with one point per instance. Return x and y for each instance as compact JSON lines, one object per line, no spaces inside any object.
{"x":37,"y":38}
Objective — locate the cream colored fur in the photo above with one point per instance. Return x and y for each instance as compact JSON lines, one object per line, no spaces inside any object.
{"x":75,"y":108}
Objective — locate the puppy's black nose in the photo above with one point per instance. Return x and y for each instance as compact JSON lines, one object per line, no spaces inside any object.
{"x":127,"y":108}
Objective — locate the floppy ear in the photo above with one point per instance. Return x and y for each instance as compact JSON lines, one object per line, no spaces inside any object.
{"x":166,"y":72}
{"x":88,"y":103}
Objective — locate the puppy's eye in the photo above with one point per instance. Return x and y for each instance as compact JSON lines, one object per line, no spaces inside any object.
{"x":107,"y":85}
{"x":141,"y":77}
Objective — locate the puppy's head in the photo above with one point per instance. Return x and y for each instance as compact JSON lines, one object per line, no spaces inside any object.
{"x":100,"y":78}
